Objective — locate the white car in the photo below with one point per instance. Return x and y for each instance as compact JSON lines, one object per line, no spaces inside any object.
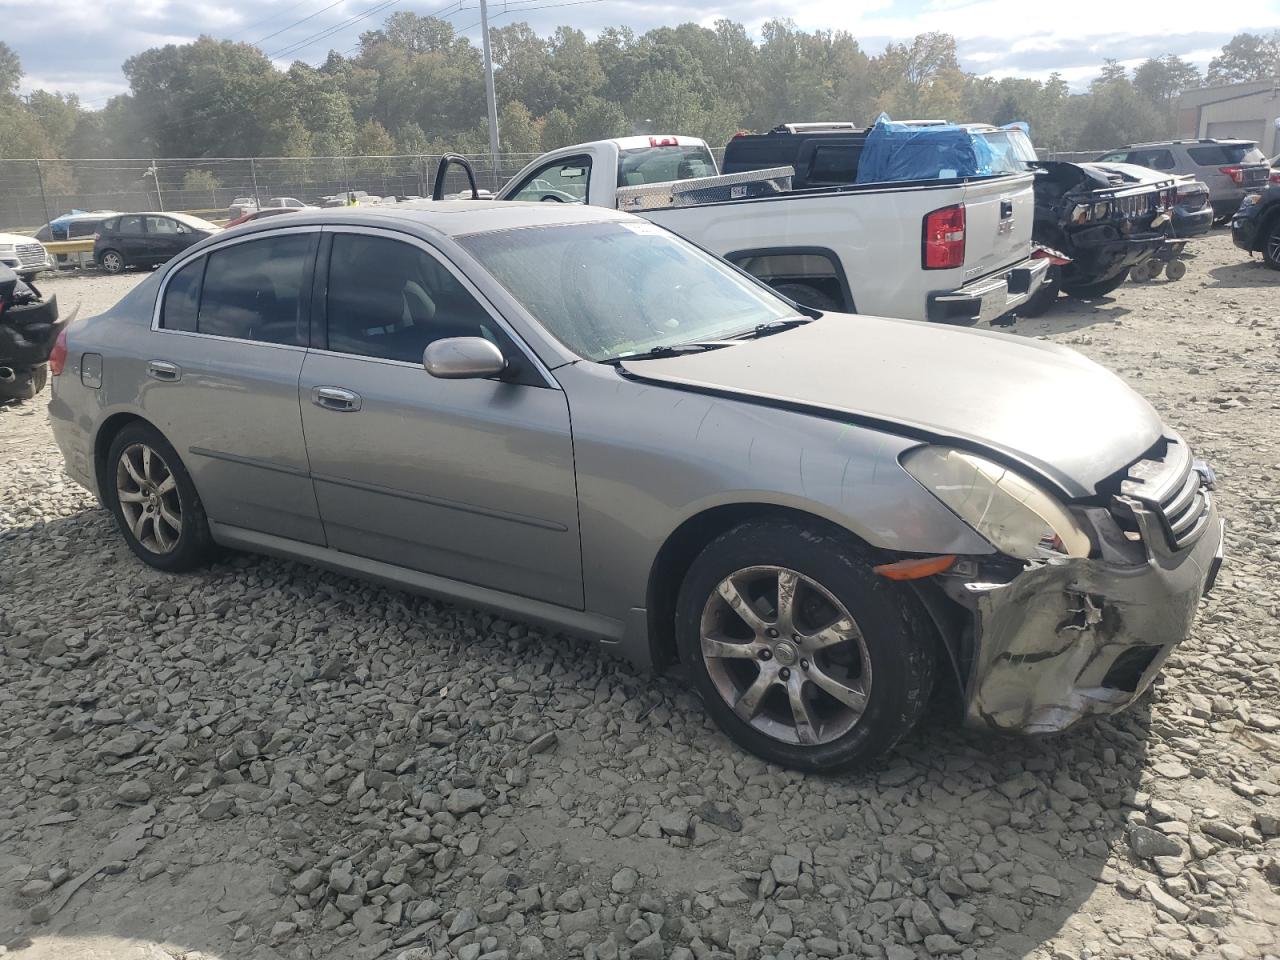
{"x":25,"y":256}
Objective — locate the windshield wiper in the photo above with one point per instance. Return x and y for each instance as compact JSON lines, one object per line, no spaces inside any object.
{"x":774,"y":326}
{"x":671,"y":350}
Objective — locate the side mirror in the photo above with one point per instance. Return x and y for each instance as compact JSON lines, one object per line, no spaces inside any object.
{"x":463,"y":358}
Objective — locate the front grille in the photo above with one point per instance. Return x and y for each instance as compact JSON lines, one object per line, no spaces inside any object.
{"x":1167,"y":483}
{"x":30,"y":254}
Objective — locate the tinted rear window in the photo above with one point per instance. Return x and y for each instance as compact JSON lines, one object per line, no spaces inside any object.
{"x":182,"y":298}
{"x":835,"y":163}
{"x":253,"y":290}
{"x":1221,"y":154}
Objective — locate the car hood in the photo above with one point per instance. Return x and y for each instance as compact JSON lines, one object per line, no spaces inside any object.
{"x":1110,"y":176}
{"x":1029,"y":402}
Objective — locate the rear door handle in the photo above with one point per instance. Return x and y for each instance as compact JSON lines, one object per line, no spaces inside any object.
{"x":336,"y":398}
{"x":164,"y":370}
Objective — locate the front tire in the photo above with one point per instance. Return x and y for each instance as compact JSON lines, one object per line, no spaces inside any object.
{"x":1271,"y":249}
{"x":1100,"y":288}
{"x":155,"y":504}
{"x":801,"y":654}
{"x":112,"y":261}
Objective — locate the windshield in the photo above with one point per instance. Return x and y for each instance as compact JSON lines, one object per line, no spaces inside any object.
{"x":615,"y":289}
{"x":1012,"y":149}
{"x":663,"y":164}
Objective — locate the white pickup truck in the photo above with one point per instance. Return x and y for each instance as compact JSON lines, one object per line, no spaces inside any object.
{"x":953,"y":251}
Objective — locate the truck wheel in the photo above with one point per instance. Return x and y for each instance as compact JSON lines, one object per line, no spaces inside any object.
{"x":1039,"y":302}
{"x":1271,"y":249}
{"x":1100,"y":288}
{"x":806,"y":296}
{"x":801,"y":654}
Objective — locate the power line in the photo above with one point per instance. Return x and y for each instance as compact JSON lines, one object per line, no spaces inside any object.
{"x":295,"y":23}
{"x":350,"y":21}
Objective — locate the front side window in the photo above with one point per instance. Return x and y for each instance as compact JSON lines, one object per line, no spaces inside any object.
{"x":614,"y":289}
{"x":389,"y":299}
{"x":562,"y":181}
{"x":182,"y":298}
{"x":253,"y":290}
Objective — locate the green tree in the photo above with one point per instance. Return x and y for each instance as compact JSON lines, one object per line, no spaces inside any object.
{"x":10,"y":70}
{"x":200,"y":180}
{"x":1246,"y":56}
{"x":520,"y":133}
{"x":1162,"y":79}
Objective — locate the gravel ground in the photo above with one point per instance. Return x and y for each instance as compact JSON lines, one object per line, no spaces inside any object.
{"x":269,"y":761}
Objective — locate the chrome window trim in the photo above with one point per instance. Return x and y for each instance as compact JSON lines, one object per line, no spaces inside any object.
{"x":447,"y":263}
{"x":188,"y":255}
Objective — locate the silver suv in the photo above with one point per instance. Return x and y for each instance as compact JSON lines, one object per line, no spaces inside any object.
{"x":1230,"y":168}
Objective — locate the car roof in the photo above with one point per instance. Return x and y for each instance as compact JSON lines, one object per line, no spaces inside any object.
{"x":454,"y":218}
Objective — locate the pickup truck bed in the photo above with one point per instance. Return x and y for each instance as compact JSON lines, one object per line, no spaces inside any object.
{"x":865,"y":248}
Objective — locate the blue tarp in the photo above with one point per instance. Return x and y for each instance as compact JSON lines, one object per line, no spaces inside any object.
{"x":899,"y":151}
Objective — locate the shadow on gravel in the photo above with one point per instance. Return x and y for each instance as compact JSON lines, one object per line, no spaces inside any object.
{"x":282,"y":719}
{"x":1248,"y":273}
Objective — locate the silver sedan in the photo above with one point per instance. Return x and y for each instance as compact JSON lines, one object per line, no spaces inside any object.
{"x":570,"y":415}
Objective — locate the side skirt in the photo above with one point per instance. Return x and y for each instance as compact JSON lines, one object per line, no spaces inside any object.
{"x":577,"y":622}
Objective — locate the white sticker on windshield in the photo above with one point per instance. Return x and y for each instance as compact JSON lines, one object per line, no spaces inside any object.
{"x":644,"y":228}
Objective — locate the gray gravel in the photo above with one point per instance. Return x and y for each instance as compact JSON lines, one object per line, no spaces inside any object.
{"x":267,"y":760}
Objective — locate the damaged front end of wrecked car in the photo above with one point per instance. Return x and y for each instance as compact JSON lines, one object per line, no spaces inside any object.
{"x":29,"y":327}
{"x":1040,"y":644}
{"x":1107,"y":218}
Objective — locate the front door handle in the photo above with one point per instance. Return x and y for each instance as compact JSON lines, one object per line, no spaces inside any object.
{"x":336,"y":398}
{"x":164,"y":370}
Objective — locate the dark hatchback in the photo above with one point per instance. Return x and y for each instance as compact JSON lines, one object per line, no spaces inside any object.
{"x":146,"y":239}
{"x":1256,"y":225}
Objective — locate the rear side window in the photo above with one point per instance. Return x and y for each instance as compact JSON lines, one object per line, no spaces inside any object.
{"x":254,"y":290}
{"x":129,"y":225}
{"x":835,"y":164}
{"x":1156,"y":159}
{"x":182,"y":298}
{"x":1221,"y":154}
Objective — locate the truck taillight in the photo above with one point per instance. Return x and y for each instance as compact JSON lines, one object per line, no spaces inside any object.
{"x":58,"y":355}
{"x":942,"y":245}
{"x":663,"y":142}
{"x":1235,"y":173}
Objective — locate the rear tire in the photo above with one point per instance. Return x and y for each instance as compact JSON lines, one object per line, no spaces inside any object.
{"x":112,"y":261}
{"x":802,"y":655}
{"x":807,"y":296}
{"x":150,"y":493}
{"x":1100,"y":288}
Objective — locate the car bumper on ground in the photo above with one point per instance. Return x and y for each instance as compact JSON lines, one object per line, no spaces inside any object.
{"x":1192,"y":223}
{"x":984,"y":300}
{"x":1064,"y":640}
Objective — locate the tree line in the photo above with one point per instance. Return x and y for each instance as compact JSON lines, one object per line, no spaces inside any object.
{"x":416,"y":86}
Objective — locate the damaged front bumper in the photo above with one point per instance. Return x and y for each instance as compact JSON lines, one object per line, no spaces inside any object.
{"x":1100,"y":252}
{"x":1062,"y":640}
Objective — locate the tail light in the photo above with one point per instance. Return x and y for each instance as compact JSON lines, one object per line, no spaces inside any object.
{"x":1235,"y":173}
{"x":663,"y":142}
{"x":942,"y":244}
{"x":1275,"y":176}
{"x":58,"y":355}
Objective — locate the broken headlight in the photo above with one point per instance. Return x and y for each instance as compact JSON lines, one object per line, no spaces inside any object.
{"x":1017,"y":517}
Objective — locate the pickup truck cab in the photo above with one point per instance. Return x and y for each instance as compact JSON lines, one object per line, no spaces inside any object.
{"x":954,"y":250}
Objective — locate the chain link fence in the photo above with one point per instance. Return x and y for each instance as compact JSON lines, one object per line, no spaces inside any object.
{"x":32,"y":192}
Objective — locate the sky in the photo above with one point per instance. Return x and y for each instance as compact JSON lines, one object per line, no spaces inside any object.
{"x":77,"y":46}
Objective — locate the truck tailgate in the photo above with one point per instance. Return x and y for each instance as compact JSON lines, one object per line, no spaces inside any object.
{"x":998,"y":219}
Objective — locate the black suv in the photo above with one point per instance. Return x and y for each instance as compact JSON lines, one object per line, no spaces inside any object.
{"x":1256,"y":225}
{"x":146,"y":239}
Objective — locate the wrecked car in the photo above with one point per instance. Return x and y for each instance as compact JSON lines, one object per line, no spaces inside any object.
{"x":571,"y":415}
{"x":29,"y":327}
{"x":1096,"y":222}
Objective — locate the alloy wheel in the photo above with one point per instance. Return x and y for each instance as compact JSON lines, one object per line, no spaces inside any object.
{"x":785,"y":655}
{"x":1273,"y":246}
{"x":148,"y":495}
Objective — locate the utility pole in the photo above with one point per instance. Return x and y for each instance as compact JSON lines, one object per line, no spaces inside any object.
{"x":155,"y":175}
{"x":253,"y":173}
{"x":489,"y":94}
{"x":43,"y":202}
